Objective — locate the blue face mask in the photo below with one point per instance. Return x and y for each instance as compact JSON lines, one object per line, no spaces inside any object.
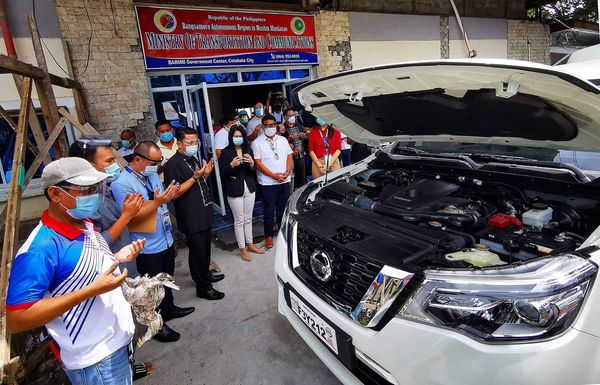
{"x":191,"y":150}
{"x":113,"y":170}
{"x":150,"y":170}
{"x":166,"y":137}
{"x":259,"y":111}
{"x":85,"y":206}
{"x":238,"y":140}
{"x":125,"y":144}
{"x":320,"y":122}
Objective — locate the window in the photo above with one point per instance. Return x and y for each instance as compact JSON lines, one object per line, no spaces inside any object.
{"x":165,"y":81}
{"x":297,"y":74}
{"x":256,"y":76}
{"x":211,"y":78}
{"x":170,"y":106}
{"x":7,"y":147}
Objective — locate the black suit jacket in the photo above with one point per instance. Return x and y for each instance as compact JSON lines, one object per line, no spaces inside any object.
{"x":194,"y":209}
{"x":233,"y":178}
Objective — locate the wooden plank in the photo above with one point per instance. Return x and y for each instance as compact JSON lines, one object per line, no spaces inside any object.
{"x":44,"y":89}
{"x":34,"y":123}
{"x":64,"y":82}
{"x":9,"y":65}
{"x":37,"y":161}
{"x":13,"y":208}
{"x":44,"y":150}
{"x":87,"y":129}
{"x":18,"y":67}
{"x":80,"y":103}
{"x":30,"y":145}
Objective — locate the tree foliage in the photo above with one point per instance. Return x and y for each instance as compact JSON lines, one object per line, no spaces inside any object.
{"x":584,"y":10}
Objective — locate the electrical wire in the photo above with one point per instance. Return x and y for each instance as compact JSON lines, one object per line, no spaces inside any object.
{"x":50,"y":52}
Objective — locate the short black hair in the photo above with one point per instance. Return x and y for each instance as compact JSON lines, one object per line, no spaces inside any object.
{"x":287,"y":110}
{"x":182,"y":132}
{"x":268,"y":117}
{"x":87,"y":151}
{"x":128,"y":131}
{"x":160,"y":122}
{"x":230,"y":115}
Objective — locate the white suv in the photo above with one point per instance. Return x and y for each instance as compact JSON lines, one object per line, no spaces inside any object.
{"x":463,"y":253}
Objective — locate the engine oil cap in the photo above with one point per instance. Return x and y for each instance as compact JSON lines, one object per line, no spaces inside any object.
{"x":435,"y":224}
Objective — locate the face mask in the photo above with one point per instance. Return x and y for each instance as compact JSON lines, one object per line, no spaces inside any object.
{"x":259,"y":111}
{"x":292,"y":119}
{"x":238,"y":140}
{"x":244,"y":119}
{"x":114,"y":170}
{"x":85,"y":206}
{"x":125,"y":144}
{"x":150,"y":170}
{"x":166,"y":137}
{"x":320,"y":122}
{"x":191,"y":150}
{"x":270,"y":131}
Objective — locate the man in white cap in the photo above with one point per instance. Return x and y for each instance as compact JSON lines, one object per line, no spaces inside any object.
{"x":66,"y":278}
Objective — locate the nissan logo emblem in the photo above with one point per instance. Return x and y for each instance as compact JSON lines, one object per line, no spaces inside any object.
{"x":320,"y":263}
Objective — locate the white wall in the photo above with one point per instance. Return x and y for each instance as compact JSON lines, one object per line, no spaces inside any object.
{"x":371,"y":53}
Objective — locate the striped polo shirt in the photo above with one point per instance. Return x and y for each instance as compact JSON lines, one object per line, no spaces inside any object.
{"x":57,"y":259}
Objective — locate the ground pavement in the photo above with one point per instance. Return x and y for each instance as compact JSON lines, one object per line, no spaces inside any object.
{"x":240,"y":340}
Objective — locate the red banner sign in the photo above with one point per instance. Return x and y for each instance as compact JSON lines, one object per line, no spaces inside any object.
{"x":183,"y":38}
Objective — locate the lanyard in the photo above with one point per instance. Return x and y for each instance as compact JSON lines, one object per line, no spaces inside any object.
{"x":273,"y":147}
{"x":201,"y":182}
{"x":325,"y":141}
{"x":144,"y":183}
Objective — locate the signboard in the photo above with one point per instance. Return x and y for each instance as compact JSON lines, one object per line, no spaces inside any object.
{"x":184,"y":38}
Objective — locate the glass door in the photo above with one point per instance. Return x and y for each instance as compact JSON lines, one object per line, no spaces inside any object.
{"x":287,"y":88}
{"x":201,"y":119}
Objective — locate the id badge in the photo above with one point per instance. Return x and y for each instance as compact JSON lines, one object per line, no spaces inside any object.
{"x":166,"y":219}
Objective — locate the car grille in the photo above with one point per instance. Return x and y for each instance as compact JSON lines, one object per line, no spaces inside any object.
{"x":351,"y":274}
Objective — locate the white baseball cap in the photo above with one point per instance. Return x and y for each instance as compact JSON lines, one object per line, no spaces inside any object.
{"x":76,"y":171}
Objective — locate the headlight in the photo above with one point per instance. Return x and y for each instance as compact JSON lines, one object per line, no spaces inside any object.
{"x":535,"y":300}
{"x":288,"y":221}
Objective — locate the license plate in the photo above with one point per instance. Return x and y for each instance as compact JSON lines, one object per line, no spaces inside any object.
{"x":315,"y":323}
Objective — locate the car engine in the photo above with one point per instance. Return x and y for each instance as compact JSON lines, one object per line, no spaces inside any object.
{"x":420,"y":218}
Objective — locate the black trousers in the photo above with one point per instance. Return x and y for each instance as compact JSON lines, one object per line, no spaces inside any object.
{"x":199,"y":259}
{"x":162,"y":262}
{"x":299,"y":172}
{"x":274,"y":200}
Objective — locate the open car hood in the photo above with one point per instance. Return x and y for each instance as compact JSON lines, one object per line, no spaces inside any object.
{"x":480,"y":101}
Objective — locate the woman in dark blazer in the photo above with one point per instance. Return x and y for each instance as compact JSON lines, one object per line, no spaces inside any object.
{"x":237,"y":175}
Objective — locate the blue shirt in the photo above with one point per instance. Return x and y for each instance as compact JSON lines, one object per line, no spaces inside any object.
{"x":130,"y":182}
{"x":55,"y":260}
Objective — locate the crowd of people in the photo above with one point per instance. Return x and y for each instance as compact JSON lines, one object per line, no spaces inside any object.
{"x":105,"y":222}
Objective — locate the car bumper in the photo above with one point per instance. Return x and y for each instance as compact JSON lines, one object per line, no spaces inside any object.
{"x":406,"y":352}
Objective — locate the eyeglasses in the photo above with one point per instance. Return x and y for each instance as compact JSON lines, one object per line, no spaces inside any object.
{"x":154,"y":161}
{"x":84,"y":190}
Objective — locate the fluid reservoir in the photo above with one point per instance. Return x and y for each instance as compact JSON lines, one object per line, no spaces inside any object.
{"x":539,"y":215}
{"x":476,"y":257}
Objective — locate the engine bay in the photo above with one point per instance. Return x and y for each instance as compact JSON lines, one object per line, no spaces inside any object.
{"x":418,"y":217}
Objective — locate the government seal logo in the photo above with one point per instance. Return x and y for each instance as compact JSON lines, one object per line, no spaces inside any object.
{"x":298,"y":26}
{"x":165,"y":21}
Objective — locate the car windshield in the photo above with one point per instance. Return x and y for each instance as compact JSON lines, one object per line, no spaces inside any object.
{"x":588,"y":161}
